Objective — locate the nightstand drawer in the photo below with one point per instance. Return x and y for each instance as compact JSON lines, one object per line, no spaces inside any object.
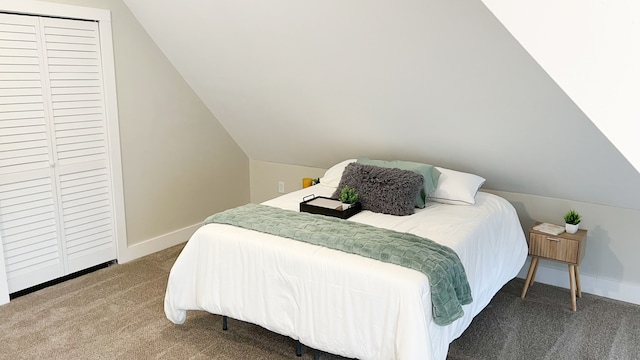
{"x":554,"y":247}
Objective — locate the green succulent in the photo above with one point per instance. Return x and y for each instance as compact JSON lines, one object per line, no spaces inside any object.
{"x":572,"y":217}
{"x":348,"y":195}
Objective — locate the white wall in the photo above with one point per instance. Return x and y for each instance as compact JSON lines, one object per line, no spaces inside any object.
{"x":610,"y":267}
{"x":265,"y":177}
{"x":590,"y":48}
{"x":310,"y":83}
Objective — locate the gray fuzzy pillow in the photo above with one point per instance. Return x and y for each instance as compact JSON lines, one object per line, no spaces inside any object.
{"x":383,"y":190}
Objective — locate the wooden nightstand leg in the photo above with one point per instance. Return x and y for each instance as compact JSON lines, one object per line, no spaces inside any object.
{"x":572,"y":285}
{"x":532,"y":267}
{"x":535,"y":271}
{"x":577,"y":270}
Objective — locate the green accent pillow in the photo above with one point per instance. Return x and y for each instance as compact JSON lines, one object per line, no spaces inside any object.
{"x":429,"y":172}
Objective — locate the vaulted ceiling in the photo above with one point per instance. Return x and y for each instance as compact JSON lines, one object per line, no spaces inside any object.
{"x":439,"y":81}
{"x":590,"y":48}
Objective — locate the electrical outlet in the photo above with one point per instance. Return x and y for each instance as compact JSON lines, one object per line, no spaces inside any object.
{"x":281,"y":187}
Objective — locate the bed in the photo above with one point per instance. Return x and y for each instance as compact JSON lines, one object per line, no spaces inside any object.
{"x":343,"y":303}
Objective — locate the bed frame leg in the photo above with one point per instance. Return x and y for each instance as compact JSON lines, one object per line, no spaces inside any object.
{"x":298,"y":348}
{"x":224,"y":323}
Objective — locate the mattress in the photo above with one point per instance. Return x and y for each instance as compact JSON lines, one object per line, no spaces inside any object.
{"x":342,"y":303}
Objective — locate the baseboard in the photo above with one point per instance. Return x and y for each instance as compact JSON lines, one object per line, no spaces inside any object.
{"x":589,"y":284}
{"x":156,"y":244}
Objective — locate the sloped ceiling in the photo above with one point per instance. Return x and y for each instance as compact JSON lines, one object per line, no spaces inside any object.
{"x":439,"y":81}
{"x":590,"y":49}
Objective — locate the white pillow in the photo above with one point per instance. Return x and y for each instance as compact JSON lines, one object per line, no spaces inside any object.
{"x":456,"y":187}
{"x":333,"y":175}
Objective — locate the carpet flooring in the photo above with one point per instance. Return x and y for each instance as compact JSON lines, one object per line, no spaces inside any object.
{"x":117,"y":313}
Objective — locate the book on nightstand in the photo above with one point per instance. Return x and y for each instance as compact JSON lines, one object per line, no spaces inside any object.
{"x":547,"y":228}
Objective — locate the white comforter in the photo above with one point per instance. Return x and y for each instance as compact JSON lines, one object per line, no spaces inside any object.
{"x":343,"y":303}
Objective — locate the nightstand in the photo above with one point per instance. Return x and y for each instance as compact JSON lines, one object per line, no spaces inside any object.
{"x":565,"y":248}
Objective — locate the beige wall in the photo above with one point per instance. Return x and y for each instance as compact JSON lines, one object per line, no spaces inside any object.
{"x":432,"y":81}
{"x":179,"y":163}
{"x":610,"y":266}
{"x":612,"y":241}
{"x":266,"y":175}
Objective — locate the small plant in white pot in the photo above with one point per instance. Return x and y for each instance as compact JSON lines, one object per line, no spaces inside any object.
{"x":572,"y":221}
{"x":348,"y":197}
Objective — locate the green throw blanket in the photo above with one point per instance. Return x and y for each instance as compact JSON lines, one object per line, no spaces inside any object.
{"x":449,"y":287}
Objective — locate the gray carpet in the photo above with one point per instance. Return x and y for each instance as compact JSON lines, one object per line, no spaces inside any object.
{"x":117,"y":313}
{"x":542,"y":326}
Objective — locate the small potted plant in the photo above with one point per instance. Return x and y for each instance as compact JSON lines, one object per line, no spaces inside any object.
{"x":348,"y":197}
{"x":572,"y":221}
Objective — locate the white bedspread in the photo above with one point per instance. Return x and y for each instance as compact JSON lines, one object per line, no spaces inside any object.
{"x":343,"y":303}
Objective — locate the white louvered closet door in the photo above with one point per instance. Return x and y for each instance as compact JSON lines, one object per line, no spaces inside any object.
{"x":28,"y":200}
{"x":55,"y":203}
{"x":72,"y":54}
